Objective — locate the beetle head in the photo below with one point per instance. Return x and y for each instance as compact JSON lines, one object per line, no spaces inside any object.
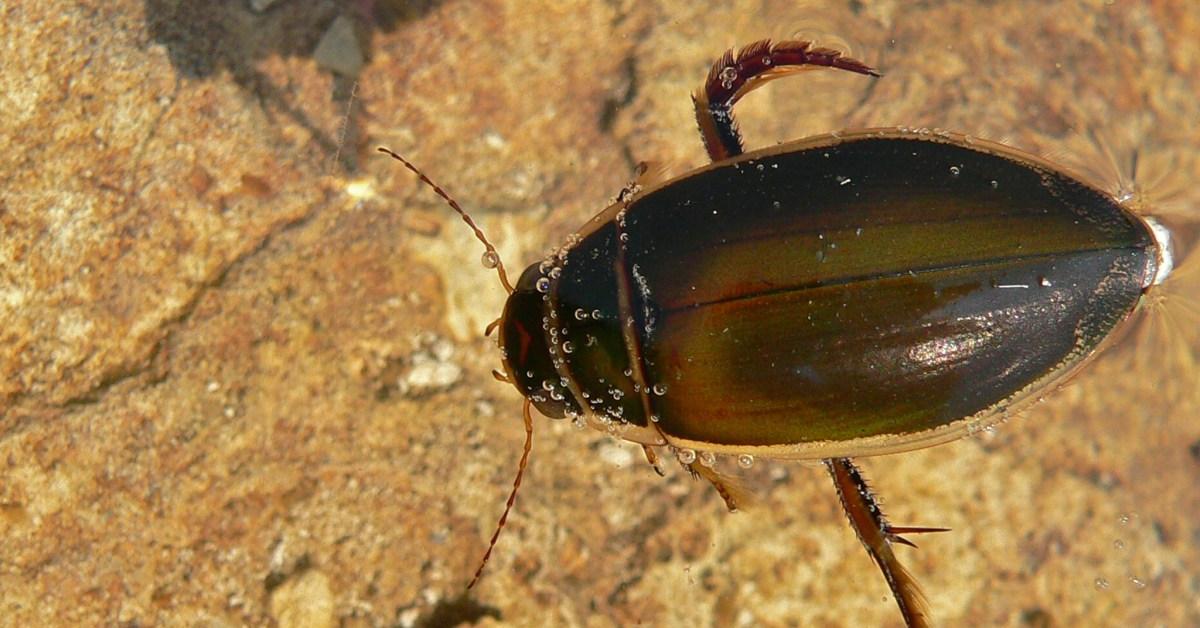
{"x":528,"y":350}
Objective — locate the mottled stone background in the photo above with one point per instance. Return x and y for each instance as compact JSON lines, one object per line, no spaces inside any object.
{"x":242,"y":380}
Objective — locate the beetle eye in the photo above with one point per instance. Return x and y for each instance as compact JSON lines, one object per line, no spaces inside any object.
{"x":524,"y":339}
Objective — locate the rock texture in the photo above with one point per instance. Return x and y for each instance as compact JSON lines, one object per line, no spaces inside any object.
{"x":242,"y":376}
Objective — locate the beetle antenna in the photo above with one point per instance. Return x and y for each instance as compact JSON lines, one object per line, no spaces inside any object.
{"x":512,"y":497}
{"x":491,"y":258}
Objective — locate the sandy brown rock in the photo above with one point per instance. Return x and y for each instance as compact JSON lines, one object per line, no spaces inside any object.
{"x":242,"y":379}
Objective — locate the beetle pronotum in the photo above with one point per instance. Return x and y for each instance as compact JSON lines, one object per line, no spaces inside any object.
{"x":844,"y":295}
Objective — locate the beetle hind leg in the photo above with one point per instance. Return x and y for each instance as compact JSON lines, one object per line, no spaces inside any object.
{"x":734,"y":76}
{"x":893,"y":533}
{"x":879,"y":536}
{"x":735,"y":494}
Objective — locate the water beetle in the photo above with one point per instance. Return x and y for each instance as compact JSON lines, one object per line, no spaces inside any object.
{"x":844,"y":295}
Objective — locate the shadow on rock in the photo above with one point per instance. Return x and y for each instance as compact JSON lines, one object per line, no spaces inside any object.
{"x":203,"y":38}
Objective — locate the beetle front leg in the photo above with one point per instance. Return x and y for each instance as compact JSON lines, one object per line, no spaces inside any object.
{"x":733,"y":77}
{"x":877,"y":535}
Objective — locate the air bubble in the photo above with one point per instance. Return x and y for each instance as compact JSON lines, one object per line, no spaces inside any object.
{"x":659,"y":389}
{"x":654,"y":418}
{"x":580,"y":314}
{"x":955,"y":171}
{"x":542,"y":285}
{"x":686,"y":456}
{"x":1101,"y":584}
{"x":490,"y":259}
{"x":728,"y":76}
{"x":568,"y":347}
{"x":579,"y":423}
{"x":556,"y":272}
{"x":707,"y":458}
{"x":745,"y":461}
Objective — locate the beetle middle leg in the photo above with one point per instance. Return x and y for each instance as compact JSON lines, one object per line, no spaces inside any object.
{"x":652,"y":458}
{"x":878,"y":536}
{"x":726,"y":487}
{"x":732,"y":77}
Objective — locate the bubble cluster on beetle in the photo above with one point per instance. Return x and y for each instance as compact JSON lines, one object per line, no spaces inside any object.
{"x":605,"y":408}
{"x":644,"y":289}
{"x":687,"y":456}
{"x":728,"y":75}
